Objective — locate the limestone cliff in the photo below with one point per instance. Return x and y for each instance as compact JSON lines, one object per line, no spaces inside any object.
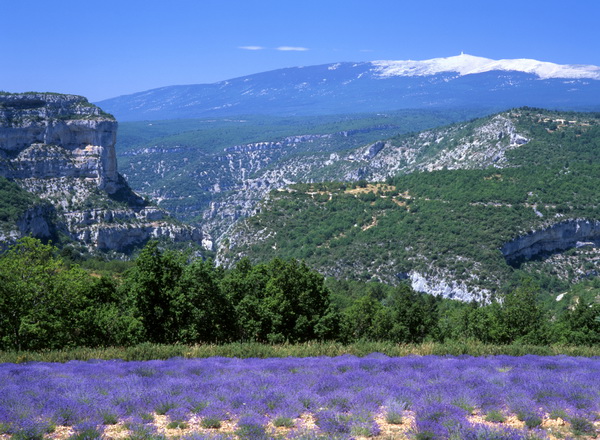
{"x":48,"y":136}
{"x":62,"y":149}
{"x":555,"y":238}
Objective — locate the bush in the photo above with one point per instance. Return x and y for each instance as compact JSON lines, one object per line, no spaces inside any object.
{"x":283,"y":422}
{"x":211,"y":422}
{"x":495,"y":416}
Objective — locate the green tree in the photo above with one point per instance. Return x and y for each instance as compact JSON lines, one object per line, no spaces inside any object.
{"x":110,"y":317}
{"x":295,"y":301}
{"x":365,"y":319}
{"x":203,"y":312}
{"x":580,"y":326}
{"x":41,"y":300}
{"x":152,"y":287}
{"x":279,"y":301}
{"x":521,"y":316}
{"x":414,"y":316}
{"x":244,"y":286}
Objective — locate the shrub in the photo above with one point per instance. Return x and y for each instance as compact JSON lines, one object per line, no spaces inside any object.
{"x":210,"y":422}
{"x":86,"y":432}
{"x":283,"y":422}
{"x":251,"y":428}
{"x":556,"y":413}
{"x":162,"y":408}
{"x":109,"y":418}
{"x":394,"y":417}
{"x":177,"y":424}
{"x":532,"y":421}
{"x":495,"y":416}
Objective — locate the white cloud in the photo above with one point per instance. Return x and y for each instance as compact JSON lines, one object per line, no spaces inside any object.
{"x":291,"y":48}
{"x":251,"y":47}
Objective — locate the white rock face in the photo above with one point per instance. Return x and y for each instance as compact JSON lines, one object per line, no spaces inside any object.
{"x":46,"y":136}
{"x":484,"y":146}
{"x":445,"y":287}
{"x":62,"y":149}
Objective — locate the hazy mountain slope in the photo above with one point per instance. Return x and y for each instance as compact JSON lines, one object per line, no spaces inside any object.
{"x":454,"y":82}
{"x":217,"y":170}
{"x":459,"y":231}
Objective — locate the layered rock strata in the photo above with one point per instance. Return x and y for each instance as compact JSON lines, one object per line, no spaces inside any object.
{"x":46,"y":135}
{"x":62,"y":148}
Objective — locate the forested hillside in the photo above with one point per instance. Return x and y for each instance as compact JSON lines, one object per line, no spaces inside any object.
{"x":214,"y":171}
{"x":444,"y":229}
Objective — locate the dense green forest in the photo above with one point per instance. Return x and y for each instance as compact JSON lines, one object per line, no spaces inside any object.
{"x":166,"y":297}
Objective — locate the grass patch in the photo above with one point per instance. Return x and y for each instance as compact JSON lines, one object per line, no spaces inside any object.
{"x":283,"y":422}
{"x":558,"y":413}
{"x":210,"y":422}
{"x":148,"y":351}
{"x":89,"y":433}
{"x":394,"y":418}
{"x":162,"y":409}
{"x":109,"y":418}
{"x":177,"y":424}
{"x":582,"y":426}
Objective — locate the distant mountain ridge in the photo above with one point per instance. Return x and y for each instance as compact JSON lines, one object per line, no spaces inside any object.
{"x":452,"y":82}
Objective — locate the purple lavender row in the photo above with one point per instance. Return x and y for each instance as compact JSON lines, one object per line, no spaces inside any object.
{"x":344,"y":394}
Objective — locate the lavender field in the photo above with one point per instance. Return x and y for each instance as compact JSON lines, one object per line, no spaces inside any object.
{"x":414,"y":397}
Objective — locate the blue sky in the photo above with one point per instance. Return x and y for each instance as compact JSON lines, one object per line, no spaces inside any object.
{"x":103,"y":49}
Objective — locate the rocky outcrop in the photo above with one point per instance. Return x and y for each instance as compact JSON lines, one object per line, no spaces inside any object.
{"x":38,"y":221}
{"x":48,"y":135}
{"x":555,"y":238}
{"x":373,"y":149}
{"x":446,"y":287}
{"x":460,"y":146}
{"x":122,"y":229}
{"x":62,"y":148}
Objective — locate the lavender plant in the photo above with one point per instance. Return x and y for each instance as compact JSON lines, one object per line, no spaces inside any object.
{"x":431,"y":396}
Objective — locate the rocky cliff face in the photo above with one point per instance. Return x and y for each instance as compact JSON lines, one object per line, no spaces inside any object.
{"x":62,"y":148}
{"x":460,"y":146}
{"x":37,"y":221}
{"x":47,"y":136}
{"x":555,"y":238}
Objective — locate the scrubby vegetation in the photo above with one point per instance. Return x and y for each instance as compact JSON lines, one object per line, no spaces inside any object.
{"x":14,"y":201}
{"x":180,"y":161}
